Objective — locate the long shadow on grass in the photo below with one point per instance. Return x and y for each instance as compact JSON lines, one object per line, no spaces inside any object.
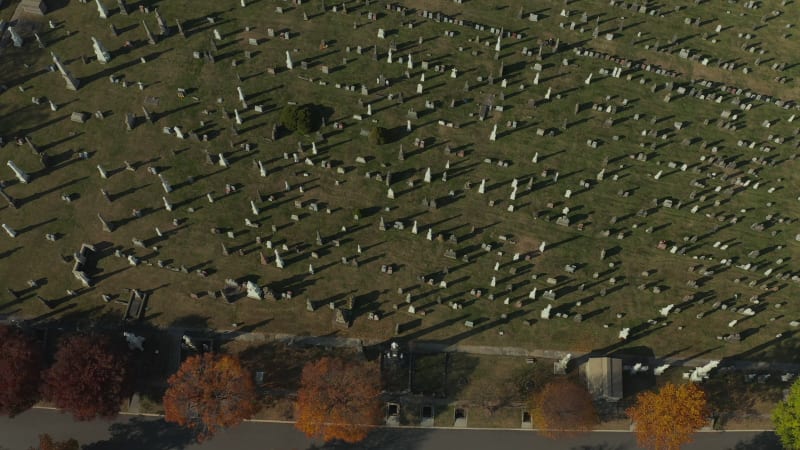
{"x":119,"y":67}
{"x":32,"y":129}
{"x":782,"y":348}
{"x":486,"y":326}
{"x":38,"y":195}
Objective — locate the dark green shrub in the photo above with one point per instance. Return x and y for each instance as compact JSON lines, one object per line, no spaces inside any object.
{"x":299,"y":118}
{"x":378,"y":136}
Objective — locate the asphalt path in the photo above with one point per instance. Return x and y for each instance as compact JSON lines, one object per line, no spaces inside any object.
{"x":152,"y":433}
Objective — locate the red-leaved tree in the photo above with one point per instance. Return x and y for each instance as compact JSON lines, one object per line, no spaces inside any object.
{"x":563,"y":408}
{"x":20,"y":370}
{"x":339,"y":399}
{"x":208,"y":393}
{"x":89,"y":377}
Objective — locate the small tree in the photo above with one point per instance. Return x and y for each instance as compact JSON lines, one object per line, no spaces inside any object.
{"x":46,"y":442}
{"x":339,"y":399}
{"x":20,"y":370}
{"x":300,"y":118}
{"x":491,"y":394}
{"x":89,"y":377}
{"x":787,"y":418}
{"x":378,"y":136}
{"x":666,"y":419}
{"x":563,"y":408}
{"x":208,"y":393}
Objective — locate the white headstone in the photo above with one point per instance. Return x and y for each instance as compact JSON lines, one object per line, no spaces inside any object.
{"x":10,"y":231}
{"x":20,"y":174}
{"x":545,"y":314}
{"x":103,"y":56}
{"x":101,"y":10}
{"x":289,"y":64}
{"x":254,"y":291}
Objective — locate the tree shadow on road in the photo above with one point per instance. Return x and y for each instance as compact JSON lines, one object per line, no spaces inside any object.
{"x":382,"y":438}
{"x":140,"y":433}
{"x":603,"y":446}
{"x":762,"y":441}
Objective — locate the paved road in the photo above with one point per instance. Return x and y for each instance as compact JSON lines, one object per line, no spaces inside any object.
{"x":149,"y":433}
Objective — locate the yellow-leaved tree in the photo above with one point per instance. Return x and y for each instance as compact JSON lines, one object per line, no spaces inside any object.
{"x":666,"y":419}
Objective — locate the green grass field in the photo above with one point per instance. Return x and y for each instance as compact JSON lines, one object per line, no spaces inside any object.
{"x":211,"y":87}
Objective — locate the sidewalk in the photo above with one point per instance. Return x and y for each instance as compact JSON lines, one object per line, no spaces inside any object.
{"x":423,"y":346}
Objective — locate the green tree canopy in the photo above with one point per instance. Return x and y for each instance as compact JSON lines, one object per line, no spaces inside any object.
{"x":301,"y":118}
{"x":787,"y":418}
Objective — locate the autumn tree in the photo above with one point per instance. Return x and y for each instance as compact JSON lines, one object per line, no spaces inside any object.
{"x":666,"y":419}
{"x":89,"y":377}
{"x":338,"y":399}
{"x":563,"y":408}
{"x":20,"y":370}
{"x":46,"y":442}
{"x":787,"y":418}
{"x":208,"y":393}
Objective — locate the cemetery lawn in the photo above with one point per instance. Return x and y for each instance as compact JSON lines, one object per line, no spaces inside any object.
{"x":736,"y":250}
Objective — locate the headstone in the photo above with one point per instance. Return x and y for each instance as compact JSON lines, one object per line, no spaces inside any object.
{"x":289,"y":64}
{"x":150,"y":39}
{"x":106,"y":226}
{"x":72,"y":83}
{"x":103,"y":56}
{"x":101,"y":9}
{"x":23,"y":177}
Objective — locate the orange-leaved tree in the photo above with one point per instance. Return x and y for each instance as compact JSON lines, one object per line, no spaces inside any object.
{"x":46,"y":442}
{"x":20,"y":370}
{"x":563,"y":408}
{"x":339,"y":399}
{"x":666,"y":419}
{"x":90,"y":376}
{"x":208,"y":393}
